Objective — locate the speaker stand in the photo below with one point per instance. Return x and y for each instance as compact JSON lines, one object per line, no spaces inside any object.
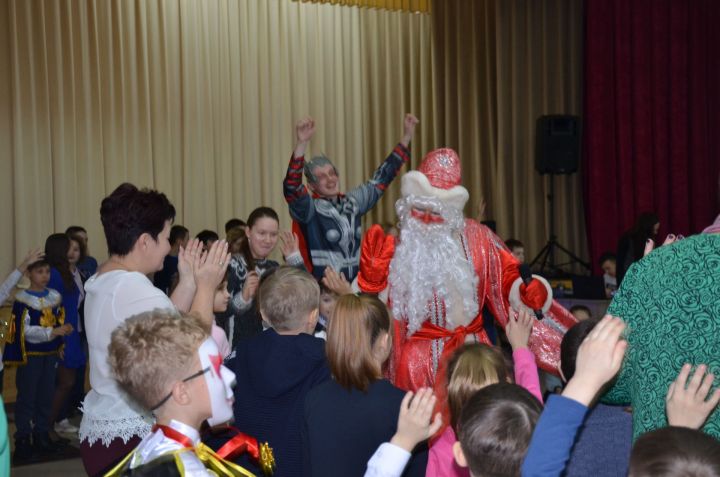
{"x":546,"y":257}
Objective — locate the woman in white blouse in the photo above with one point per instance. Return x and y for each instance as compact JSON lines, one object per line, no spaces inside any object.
{"x":137,"y":227}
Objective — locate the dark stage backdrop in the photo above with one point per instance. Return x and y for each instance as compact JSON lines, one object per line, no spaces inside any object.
{"x":652,"y":115}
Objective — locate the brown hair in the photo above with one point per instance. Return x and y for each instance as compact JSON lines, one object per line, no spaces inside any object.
{"x":287,"y":296}
{"x":675,"y":451}
{"x":472,"y":367}
{"x":495,"y":428}
{"x":234,"y":234}
{"x":81,"y":244}
{"x":152,"y":350}
{"x":356,"y":324}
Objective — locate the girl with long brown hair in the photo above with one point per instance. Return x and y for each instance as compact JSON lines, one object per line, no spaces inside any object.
{"x":348,"y":417}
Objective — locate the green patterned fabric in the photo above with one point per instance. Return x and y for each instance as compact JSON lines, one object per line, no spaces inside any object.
{"x":671,"y":303}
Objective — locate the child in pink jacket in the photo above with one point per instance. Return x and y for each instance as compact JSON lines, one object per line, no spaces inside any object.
{"x":473,"y":367}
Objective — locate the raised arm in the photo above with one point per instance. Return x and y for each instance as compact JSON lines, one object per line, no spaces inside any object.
{"x":15,"y":276}
{"x":209,"y":271}
{"x":296,"y":194}
{"x":408,"y":129}
{"x":366,"y":195}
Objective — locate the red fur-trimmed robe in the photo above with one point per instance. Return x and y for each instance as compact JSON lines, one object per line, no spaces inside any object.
{"x":413,"y":362}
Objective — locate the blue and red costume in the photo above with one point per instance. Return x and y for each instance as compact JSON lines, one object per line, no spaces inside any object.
{"x":331,"y":229}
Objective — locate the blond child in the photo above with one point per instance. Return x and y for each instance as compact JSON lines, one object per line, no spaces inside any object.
{"x":168,"y":364}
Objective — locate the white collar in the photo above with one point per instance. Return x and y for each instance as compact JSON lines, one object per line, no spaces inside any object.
{"x":190,"y":432}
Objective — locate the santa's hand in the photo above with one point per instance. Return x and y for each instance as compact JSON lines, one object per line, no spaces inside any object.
{"x":537,"y":295}
{"x":534,"y":295}
{"x":375,"y":256}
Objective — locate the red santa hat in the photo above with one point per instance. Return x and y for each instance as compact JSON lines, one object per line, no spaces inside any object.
{"x":438,"y":176}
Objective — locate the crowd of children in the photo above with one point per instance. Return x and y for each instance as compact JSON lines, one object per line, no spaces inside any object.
{"x":236,"y":365}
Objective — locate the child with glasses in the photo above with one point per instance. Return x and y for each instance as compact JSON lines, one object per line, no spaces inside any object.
{"x":167,"y":363}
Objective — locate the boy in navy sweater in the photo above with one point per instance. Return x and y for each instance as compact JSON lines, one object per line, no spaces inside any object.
{"x":276,"y":369}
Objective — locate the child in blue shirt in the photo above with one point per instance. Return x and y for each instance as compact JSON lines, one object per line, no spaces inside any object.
{"x":33,"y":344}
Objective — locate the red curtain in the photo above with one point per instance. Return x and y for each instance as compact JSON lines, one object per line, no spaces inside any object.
{"x":652,"y":116}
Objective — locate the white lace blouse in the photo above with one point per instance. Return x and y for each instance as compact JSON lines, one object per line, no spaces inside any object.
{"x":110,"y":299}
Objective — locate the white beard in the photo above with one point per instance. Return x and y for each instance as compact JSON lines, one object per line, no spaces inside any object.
{"x":430,"y":263}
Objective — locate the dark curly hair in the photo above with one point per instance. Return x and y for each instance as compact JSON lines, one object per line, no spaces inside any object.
{"x":129,"y":212}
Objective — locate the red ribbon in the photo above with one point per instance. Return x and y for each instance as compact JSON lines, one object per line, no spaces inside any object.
{"x":239,"y":444}
{"x":429,"y":331}
{"x":177,"y":436}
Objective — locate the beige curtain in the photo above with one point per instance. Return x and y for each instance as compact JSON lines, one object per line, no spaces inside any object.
{"x":405,"y":5}
{"x":195,"y":98}
{"x":499,"y":65}
{"x":199,"y":99}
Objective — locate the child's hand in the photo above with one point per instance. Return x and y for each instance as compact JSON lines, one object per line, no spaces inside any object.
{"x":250,"y":287}
{"x":62,"y":330}
{"x":32,"y":257}
{"x":414,"y":423}
{"x":336,"y":282}
{"x":686,"y":402}
{"x":519,"y":327}
{"x":598,"y":360}
{"x":209,"y":269}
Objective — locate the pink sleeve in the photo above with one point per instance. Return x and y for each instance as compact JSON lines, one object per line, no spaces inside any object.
{"x":441,"y":462}
{"x":218,"y":334}
{"x":526,"y":373}
{"x":433,"y":464}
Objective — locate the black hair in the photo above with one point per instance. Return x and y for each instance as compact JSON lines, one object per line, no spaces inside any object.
{"x":512,"y":244}
{"x":607,"y":256}
{"x":129,"y":212}
{"x":38,"y":264}
{"x":74,"y":229}
{"x":232,"y":223}
{"x":206,"y":236}
{"x":571,"y":343}
{"x":56,"y":250}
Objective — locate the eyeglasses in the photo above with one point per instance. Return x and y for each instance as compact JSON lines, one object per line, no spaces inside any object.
{"x":189,"y":378}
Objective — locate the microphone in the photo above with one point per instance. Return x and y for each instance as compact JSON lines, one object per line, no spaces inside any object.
{"x":526,"y":275}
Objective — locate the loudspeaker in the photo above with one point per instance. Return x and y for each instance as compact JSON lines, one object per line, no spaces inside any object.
{"x":557,"y":144}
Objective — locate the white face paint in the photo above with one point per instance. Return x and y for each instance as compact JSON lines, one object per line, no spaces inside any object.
{"x":220,"y":381}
